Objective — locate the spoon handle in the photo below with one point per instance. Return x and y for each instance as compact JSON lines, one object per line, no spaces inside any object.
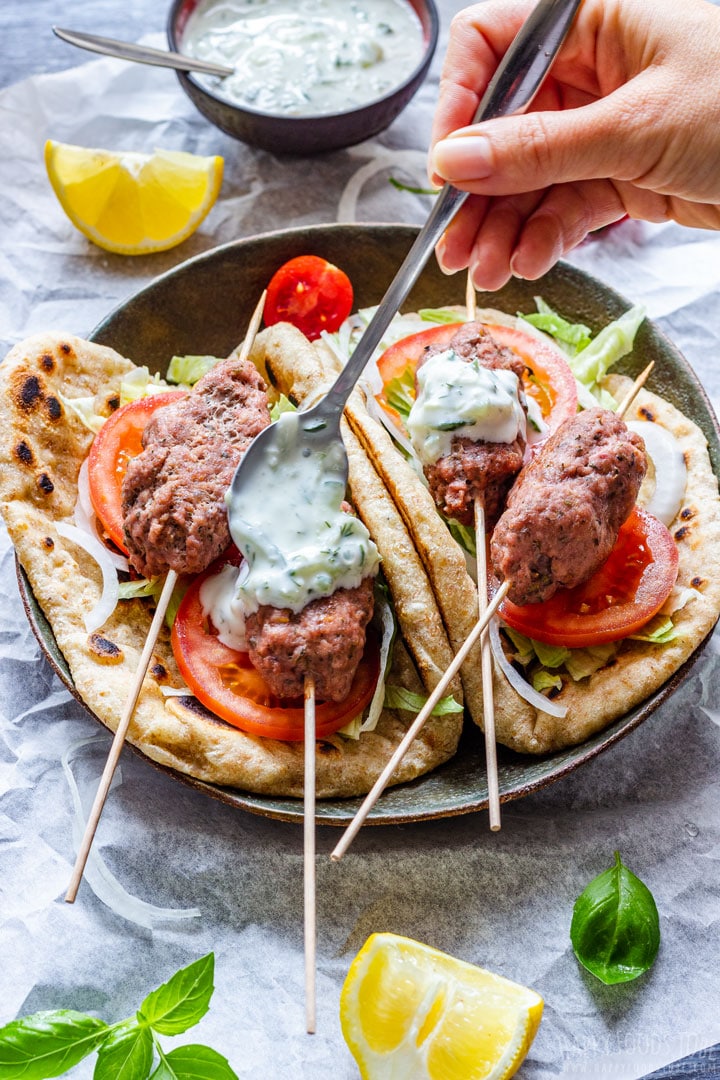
{"x":143,"y":54}
{"x":511,"y":90}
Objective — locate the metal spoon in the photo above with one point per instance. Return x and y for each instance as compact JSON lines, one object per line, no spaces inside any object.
{"x":511,"y":90}
{"x":142,"y":54}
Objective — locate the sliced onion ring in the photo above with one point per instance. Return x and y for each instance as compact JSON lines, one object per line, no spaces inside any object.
{"x":85,"y":519}
{"x":669,"y":467}
{"x":518,"y":683}
{"x":110,"y":592}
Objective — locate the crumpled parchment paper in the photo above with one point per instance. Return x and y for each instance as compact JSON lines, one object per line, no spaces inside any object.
{"x":501,"y":900}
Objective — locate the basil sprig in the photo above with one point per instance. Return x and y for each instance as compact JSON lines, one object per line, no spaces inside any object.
{"x":50,"y":1043}
{"x":615,"y":929}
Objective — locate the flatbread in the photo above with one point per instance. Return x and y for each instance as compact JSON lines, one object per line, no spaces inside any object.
{"x":638,"y":669}
{"x":42,"y":446}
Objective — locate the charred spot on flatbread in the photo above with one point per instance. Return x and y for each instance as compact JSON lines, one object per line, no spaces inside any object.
{"x":24,"y":454}
{"x":54,"y":408}
{"x":47,"y":362}
{"x":104,"y":651}
{"x":29,"y":393}
{"x":45,"y":484}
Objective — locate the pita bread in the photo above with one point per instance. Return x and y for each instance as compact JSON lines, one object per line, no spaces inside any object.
{"x":42,"y":446}
{"x":638,"y":668}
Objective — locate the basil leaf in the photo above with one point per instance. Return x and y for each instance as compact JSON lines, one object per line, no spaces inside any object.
{"x":615,"y":930}
{"x":127,"y":1054}
{"x":48,"y":1043}
{"x":193,"y":1063}
{"x":182,"y":1000}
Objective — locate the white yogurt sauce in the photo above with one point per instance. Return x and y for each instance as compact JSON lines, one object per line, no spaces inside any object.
{"x":306,"y":57}
{"x":460,"y":398}
{"x":220,"y":604}
{"x":298,"y":542}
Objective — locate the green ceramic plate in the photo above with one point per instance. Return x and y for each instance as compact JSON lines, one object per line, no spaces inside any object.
{"x":203,"y":306}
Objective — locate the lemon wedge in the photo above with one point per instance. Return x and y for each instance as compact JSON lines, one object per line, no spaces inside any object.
{"x":133,"y":203}
{"x":409,"y":1012}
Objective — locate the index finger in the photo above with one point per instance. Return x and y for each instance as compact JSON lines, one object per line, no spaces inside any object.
{"x":479,"y":38}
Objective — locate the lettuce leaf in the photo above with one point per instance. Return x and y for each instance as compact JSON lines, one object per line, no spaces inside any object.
{"x":441,"y":315}
{"x":282,"y":405}
{"x":188,"y":369}
{"x":614,"y":341}
{"x":397,"y":697}
{"x":543,"y":680}
{"x":139,"y":383}
{"x":84,"y":409}
{"x":400,"y":392}
{"x":659,"y":631}
{"x":575,"y":336}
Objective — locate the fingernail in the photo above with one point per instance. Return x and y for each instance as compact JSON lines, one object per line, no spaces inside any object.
{"x":514,"y":270}
{"x":440,"y":256}
{"x":465,"y":157}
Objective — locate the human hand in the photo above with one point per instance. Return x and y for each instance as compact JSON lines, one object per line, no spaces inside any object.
{"x":627,"y":122}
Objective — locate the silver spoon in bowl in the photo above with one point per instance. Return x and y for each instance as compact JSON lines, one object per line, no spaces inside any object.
{"x":511,"y":90}
{"x":141,"y":54}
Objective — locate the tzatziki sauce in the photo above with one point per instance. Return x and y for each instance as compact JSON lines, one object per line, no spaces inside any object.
{"x":460,"y":398}
{"x":289,"y":524}
{"x":305,"y":57}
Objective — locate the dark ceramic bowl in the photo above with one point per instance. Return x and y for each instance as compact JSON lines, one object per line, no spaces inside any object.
{"x":203,"y":306}
{"x":302,"y":134}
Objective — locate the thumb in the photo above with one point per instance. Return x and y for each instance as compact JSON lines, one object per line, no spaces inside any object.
{"x":616,"y":137}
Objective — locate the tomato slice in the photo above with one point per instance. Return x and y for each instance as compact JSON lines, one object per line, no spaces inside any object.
{"x":311,"y":293}
{"x":548,"y":378}
{"x":620,"y":597}
{"x":225,"y":681}
{"x":119,"y":440}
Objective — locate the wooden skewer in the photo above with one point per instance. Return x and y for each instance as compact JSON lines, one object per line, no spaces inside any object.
{"x":485,"y":654}
{"x":635,"y":389}
{"x":487,"y":673}
{"x":309,"y":854}
{"x":120,"y":734}
{"x":119,"y":737}
{"x":414,"y":729}
{"x":470,"y":297}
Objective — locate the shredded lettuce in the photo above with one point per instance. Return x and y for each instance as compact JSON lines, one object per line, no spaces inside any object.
{"x":528,"y":649}
{"x":397,"y":697}
{"x":543,"y":680}
{"x":400,"y":392}
{"x":614,"y":341}
{"x":579,"y":663}
{"x":659,"y":631}
{"x":141,"y":588}
{"x":139,"y":383}
{"x":84,"y":409}
{"x":589,"y":359}
{"x":188,"y":369}
{"x":582,"y":663}
{"x":441,"y":315}
{"x":282,"y":405}
{"x":574,"y":336}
